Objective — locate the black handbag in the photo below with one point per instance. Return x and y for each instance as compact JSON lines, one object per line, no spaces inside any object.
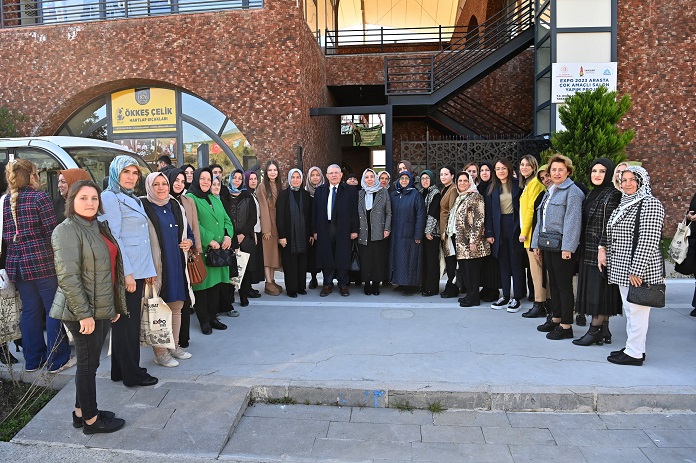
{"x":647,"y":294}
{"x":354,"y":258}
{"x":550,"y":241}
{"x":220,"y":257}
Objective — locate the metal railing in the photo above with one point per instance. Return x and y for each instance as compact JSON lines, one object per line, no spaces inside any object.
{"x":23,"y":13}
{"x":464,"y":51}
{"x":480,"y":118}
{"x":388,"y":39}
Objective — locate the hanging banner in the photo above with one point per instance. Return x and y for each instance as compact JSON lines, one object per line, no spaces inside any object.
{"x":363,"y":136}
{"x":569,"y":78}
{"x":143,"y":110}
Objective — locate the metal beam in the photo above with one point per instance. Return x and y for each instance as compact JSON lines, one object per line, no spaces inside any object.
{"x":343,"y":110}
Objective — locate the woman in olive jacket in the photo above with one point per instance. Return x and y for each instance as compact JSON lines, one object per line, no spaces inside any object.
{"x":90,"y":296}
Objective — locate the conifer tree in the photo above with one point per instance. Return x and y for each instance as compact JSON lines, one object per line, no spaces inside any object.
{"x":590,"y":119}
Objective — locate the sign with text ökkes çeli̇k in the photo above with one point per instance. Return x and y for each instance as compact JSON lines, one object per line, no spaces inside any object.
{"x":143,"y":110}
{"x":570,"y":78}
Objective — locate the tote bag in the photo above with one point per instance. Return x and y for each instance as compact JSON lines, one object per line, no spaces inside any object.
{"x":242,"y":262}
{"x":155,"y":321}
{"x":679,"y":248}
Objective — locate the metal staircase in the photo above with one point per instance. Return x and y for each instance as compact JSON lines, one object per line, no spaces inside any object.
{"x":465,"y":115}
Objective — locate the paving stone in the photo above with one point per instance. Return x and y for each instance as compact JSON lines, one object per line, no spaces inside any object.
{"x":520,"y":436}
{"x":452,"y":434}
{"x":390,"y":415}
{"x":148,"y":396}
{"x":55,"y":431}
{"x":300,"y":412}
{"x":375,"y":432}
{"x":157,"y":418}
{"x":670,"y":455}
{"x":472,"y":418}
{"x":613,"y":454}
{"x":673,"y":437}
{"x":351,"y":449}
{"x":274,"y":437}
{"x":647,"y":402}
{"x":547,"y":454}
{"x":649,"y":421}
{"x":461,"y":453}
{"x":558,"y":420}
{"x":607,"y":437}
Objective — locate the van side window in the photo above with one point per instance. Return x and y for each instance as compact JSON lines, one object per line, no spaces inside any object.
{"x":47,"y":165}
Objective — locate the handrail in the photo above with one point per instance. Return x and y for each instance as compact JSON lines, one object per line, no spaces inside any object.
{"x":488,"y":121}
{"x":18,"y":13}
{"x":382,"y":39}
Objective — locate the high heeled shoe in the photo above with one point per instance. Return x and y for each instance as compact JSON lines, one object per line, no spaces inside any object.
{"x":593,"y":336}
{"x":606,"y":334}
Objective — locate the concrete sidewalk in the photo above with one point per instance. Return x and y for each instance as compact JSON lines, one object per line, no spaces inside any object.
{"x":379,"y":351}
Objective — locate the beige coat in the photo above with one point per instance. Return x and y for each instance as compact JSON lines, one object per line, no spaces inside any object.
{"x":271,"y":252}
{"x":192,"y":218}
{"x":446,"y":202}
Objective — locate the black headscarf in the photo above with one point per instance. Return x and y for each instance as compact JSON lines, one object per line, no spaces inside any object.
{"x":195,"y":187}
{"x":183,"y":168}
{"x":172,"y":174}
{"x":483,"y":186}
{"x":606,"y":183}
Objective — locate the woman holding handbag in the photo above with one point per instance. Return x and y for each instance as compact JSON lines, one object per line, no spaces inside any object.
{"x":631,"y":251}
{"x":216,"y":233}
{"x":170,"y":240}
{"x":243,"y":214}
{"x":90,"y":297}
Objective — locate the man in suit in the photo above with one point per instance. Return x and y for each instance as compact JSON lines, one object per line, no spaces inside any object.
{"x":334,"y":225}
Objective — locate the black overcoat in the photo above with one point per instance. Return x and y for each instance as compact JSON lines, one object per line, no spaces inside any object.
{"x":344,"y":218}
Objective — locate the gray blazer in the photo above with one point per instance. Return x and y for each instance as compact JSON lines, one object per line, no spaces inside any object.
{"x":562,"y":215}
{"x":128,"y":223}
{"x":380,"y":216}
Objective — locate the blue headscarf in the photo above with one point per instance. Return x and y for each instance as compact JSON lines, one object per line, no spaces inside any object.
{"x":230,"y":185}
{"x":117,"y":166}
{"x":408,"y":187}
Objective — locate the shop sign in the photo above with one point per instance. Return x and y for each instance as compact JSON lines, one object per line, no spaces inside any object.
{"x":143,"y":110}
{"x":570,"y":78}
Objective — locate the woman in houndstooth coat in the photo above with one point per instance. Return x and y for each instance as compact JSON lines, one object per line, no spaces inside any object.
{"x":627,"y":267}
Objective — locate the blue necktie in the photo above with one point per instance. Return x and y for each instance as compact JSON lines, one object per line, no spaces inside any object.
{"x":333,"y":200}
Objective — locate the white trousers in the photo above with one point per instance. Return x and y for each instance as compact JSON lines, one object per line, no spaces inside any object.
{"x":637,"y":319}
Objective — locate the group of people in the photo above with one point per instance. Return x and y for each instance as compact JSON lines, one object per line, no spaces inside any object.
{"x":86,"y":266}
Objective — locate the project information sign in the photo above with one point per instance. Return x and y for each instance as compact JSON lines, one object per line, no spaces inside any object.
{"x":570,"y":78}
{"x":143,"y":110}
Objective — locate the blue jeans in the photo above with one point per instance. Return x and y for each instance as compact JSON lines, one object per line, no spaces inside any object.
{"x":37,"y":298}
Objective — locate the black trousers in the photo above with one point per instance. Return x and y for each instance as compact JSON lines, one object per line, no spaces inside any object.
{"x":209,"y":302}
{"x":431,"y":265}
{"x":340,"y":274}
{"x":88,"y":349}
{"x":294,"y":269}
{"x":184,"y":331}
{"x":510,"y":259}
{"x":471,"y":268}
{"x":561,"y":285}
{"x":125,"y":341}
{"x":451,"y":266}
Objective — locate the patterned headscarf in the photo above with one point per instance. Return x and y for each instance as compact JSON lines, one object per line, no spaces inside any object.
{"x":230,"y":185}
{"x":301,"y":179}
{"x":149,"y":180}
{"x":643,"y":191}
{"x":308,"y":186}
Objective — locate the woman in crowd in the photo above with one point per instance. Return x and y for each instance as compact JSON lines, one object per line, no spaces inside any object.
{"x":556,"y":237}
{"x":66,"y":178}
{"x":243,"y":214}
{"x":502,"y":232}
{"x":532,"y":188}
{"x":632,"y":253}
{"x":472,"y":169}
{"x":188,"y":170}
{"x":221,"y":193}
{"x":28,"y":222}
{"x":616,"y":179}
{"x":124,"y":213}
{"x":431,"y":245}
{"x":466,"y":224}
{"x":374,"y":214}
{"x":408,"y":227}
{"x":177,"y":183}
{"x":216,"y":232}
{"x":267,"y":195}
{"x":251,"y":182}
{"x":490,"y":271}
{"x":384,"y":179}
{"x":294,"y":219}
{"x":91,"y":295}
{"x":315,"y":178}
{"x":170,"y":241}
{"x":596,"y":297}
{"x":691,"y":256}
{"x":448,"y":195}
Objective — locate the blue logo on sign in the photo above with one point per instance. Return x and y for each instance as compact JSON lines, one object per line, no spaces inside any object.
{"x":607,"y":72}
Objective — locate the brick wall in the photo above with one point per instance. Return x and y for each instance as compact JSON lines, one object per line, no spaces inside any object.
{"x":657,"y":64}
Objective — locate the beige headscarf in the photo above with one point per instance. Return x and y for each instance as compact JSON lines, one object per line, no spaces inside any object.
{"x":150,"y":192}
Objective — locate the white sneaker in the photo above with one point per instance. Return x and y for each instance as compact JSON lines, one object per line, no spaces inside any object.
{"x":166,"y":360}
{"x":501,"y":304}
{"x":513,"y":306}
{"x":180,"y":353}
{"x":72,"y":361}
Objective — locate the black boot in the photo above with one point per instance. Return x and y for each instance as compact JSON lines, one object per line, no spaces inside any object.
{"x":581,"y":319}
{"x":593,"y":336}
{"x":243,"y":298}
{"x":451,"y":290}
{"x":549,"y":325}
{"x":606,"y":334}
{"x":537,"y":310}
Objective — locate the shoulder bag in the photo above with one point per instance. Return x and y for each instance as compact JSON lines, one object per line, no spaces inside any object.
{"x":549,"y":241}
{"x":10,"y":304}
{"x":647,"y":294}
{"x":220,"y":258}
{"x":196,"y":268}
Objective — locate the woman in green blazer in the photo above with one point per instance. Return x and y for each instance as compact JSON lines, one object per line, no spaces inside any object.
{"x":216,"y":232}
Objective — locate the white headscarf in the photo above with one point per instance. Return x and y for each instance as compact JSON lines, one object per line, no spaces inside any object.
{"x":290,"y":176}
{"x":370,"y":190}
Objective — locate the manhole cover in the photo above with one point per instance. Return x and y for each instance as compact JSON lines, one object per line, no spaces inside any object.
{"x":396,"y":313}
